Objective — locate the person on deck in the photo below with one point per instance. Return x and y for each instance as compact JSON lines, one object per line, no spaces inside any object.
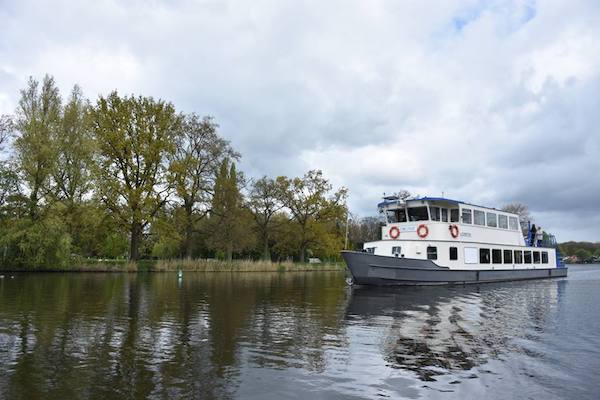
{"x":539,"y":237}
{"x":532,"y":233}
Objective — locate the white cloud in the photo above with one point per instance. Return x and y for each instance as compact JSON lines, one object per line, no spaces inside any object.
{"x":487,"y":101}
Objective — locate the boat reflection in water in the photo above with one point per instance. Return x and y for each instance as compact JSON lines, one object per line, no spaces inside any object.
{"x":453,"y":333}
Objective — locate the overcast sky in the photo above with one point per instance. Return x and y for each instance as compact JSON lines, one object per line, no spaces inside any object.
{"x":489,"y":102}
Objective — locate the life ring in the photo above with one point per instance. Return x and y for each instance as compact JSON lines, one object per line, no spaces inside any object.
{"x":394,"y":232}
{"x":454,"y":231}
{"x":422,"y":231}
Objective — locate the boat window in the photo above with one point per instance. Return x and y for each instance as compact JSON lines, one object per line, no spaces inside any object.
{"x":396,"y":250}
{"x":536,"y":257}
{"x":370,"y":249}
{"x":527,"y":257}
{"x":466,"y":216}
{"x":431,"y":253}
{"x":418,"y":214}
{"x":401,"y":215}
{"x":507,"y":256}
{"x":502,"y":221}
{"x":435,"y":213}
{"x":454,"y":253}
{"x":454,"y":215}
{"x":444,"y":215}
{"x":478,"y":217}
{"x":514,"y":223}
{"x":471,"y":255}
{"x":518,"y":257}
{"x":391,"y":216}
{"x":484,"y":256}
{"x":497,"y":256}
{"x":544,"y":257}
{"x":492,"y":220}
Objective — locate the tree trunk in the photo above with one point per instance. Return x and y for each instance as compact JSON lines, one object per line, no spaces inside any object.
{"x":266,"y":250}
{"x":229,"y":251}
{"x":136,"y":238}
{"x":303,"y":253}
{"x":189,"y":231}
{"x":33,"y":200}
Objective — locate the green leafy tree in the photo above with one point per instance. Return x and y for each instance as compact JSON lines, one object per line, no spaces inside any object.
{"x":74,"y":143}
{"x":134,"y":137}
{"x":312,"y":206}
{"x":264,"y":201}
{"x":229,"y":220}
{"x":583,"y":254}
{"x":38,"y":120}
{"x":199,"y":152}
{"x":6,"y":127}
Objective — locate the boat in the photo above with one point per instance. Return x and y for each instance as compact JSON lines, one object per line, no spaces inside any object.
{"x":436,"y":240}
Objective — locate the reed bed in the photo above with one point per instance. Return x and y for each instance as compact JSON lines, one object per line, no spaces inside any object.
{"x":211,"y":265}
{"x":197,"y":265}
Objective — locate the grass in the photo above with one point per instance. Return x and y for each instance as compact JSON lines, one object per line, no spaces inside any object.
{"x":197,"y":265}
{"x":209,"y":265}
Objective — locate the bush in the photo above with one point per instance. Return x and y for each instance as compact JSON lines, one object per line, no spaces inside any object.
{"x":43,"y":243}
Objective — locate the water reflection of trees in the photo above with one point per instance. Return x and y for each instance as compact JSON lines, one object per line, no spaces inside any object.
{"x":141,"y":336}
{"x":433,"y":331}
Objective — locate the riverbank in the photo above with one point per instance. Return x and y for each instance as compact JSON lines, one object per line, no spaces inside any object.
{"x":186,"y":265}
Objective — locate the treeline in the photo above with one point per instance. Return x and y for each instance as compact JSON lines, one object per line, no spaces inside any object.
{"x":131,"y":177}
{"x":582,"y":250}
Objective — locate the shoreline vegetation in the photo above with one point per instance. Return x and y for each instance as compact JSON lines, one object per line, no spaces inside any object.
{"x":131,"y":177}
{"x":187,"y":265}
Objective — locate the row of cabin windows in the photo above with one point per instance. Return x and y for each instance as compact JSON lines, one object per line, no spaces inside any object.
{"x":497,"y":256}
{"x":477,"y":217}
{"x":491,"y":219}
{"x":512,"y":256}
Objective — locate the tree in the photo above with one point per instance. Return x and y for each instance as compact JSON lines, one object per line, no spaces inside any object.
{"x":522,"y":211}
{"x":264,"y":201}
{"x":38,"y":120}
{"x":229,"y":221}
{"x":363,"y":230}
{"x":193,"y":169}
{"x":583,"y":254}
{"x":134,"y":136}
{"x":518,"y":208}
{"x":5,"y":129}
{"x":310,"y":207}
{"x":74,"y":145}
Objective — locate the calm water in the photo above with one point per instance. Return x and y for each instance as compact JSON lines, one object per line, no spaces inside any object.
{"x":296,"y":335}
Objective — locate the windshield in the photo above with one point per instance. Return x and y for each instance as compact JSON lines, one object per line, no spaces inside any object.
{"x":418,"y":214}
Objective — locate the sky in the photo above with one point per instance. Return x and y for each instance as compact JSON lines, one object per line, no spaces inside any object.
{"x":489,"y":102}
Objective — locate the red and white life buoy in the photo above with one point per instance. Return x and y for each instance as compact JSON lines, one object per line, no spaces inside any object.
{"x":422,"y":231}
{"x":454,"y":231}
{"x":394,"y":232}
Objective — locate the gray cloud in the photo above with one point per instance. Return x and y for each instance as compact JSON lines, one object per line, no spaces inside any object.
{"x":490,"y":102}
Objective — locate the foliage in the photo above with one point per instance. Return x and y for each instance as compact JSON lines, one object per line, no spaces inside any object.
{"x":193,"y":167}
{"x":38,"y":120}
{"x":361,"y":230}
{"x":28,"y":243}
{"x":228,"y":219}
{"x":129,"y":177}
{"x":134,"y":136}
{"x":317,"y":212}
{"x":264,"y":201}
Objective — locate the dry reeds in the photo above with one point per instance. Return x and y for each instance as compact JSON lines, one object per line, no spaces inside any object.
{"x":212,"y":265}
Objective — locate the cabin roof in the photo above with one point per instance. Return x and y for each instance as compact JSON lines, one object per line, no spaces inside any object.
{"x":393,"y":199}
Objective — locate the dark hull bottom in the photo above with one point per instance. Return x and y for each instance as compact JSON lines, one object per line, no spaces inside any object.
{"x":369,"y":269}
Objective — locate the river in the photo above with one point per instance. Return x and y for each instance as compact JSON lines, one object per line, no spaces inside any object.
{"x":297,"y":336}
